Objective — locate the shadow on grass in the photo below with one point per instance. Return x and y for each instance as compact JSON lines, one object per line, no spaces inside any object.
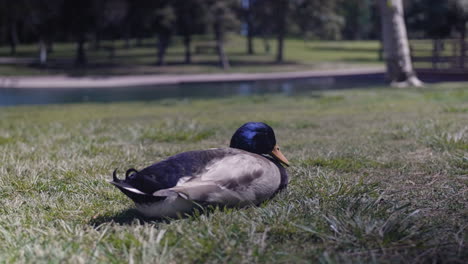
{"x":29,"y":53}
{"x":361,"y":59}
{"x":132,"y":216}
{"x":344,"y":49}
{"x":234,"y":62}
{"x":90,"y":69}
{"x":114,"y":67}
{"x":126,"y":217}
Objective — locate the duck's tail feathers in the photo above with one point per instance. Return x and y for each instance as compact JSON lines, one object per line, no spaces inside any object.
{"x":122,"y":185}
{"x":129,"y":172}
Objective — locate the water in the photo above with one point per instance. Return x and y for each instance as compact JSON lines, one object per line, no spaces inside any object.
{"x":39,"y":96}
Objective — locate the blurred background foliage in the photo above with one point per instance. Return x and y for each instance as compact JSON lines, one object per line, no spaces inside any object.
{"x":88,"y":22}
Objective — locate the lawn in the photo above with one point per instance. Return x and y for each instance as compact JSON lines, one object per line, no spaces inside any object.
{"x":299,"y":55}
{"x":378,"y":175}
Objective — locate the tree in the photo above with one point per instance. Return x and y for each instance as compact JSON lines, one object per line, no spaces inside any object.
{"x":261,"y":24}
{"x":11,"y":11}
{"x":222,"y":17}
{"x":396,"y":48}
{"x":438,"y":20}
{"x":248,"y":15}
{"x":281,"y":9}
{"x":79,"y":17}
{"x":271,"y":17}
{"x":139,"y":18}
{"x":190,"y":20}
{"x":43,"y":18}
{"x":460,"y":17}
{"x":358,"y":18}
{"x":429,"y":18}
{"x":163,"y":23}
{"x":319,"y":18}
{"x":281,"y":17}
{"x":109,"y":21}
{"x":156,"y":17}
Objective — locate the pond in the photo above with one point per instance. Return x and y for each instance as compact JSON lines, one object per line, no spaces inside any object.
{"x":289,"y":87}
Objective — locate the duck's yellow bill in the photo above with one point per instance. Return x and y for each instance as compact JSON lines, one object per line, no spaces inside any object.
{"x":279,"y":156}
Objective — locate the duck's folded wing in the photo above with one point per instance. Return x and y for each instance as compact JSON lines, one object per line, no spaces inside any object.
{"x":234,"y":180}
{"x":206,"y":192}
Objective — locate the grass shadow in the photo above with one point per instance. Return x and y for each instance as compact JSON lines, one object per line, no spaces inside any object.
{"x":132,"y":216}
{"x":234,"y":62}
{"x":341,"y":49}
{"x":361,"y":60}
{"x":126,"y":217}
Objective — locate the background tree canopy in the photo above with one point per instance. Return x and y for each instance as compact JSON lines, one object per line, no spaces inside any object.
{"x":28,"y":21}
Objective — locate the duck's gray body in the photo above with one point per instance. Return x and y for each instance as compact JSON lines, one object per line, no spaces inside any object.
{"x":226,"y":176}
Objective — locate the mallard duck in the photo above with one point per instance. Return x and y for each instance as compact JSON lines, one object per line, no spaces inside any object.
{"x":249,"y":172}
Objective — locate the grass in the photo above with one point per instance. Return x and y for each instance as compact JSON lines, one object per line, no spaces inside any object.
{"x":379,"y":175}
{"x":299,"y":55}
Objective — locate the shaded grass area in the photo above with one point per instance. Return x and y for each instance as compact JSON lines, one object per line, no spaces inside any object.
{"x":299,"y":55}
{"x":378,"y":175}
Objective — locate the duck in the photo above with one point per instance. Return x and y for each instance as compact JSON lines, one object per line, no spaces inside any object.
{"x":248,"y":172}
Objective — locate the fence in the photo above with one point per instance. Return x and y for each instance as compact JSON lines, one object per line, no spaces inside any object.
{"x":439,"y":54}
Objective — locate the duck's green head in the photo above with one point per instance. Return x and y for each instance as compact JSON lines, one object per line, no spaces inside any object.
{"x":259,"y":138}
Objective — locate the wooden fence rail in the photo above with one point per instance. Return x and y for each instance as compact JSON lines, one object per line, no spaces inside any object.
{"x":439,"y":54}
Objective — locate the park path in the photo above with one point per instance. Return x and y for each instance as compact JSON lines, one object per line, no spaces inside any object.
{"x":147,"y":80}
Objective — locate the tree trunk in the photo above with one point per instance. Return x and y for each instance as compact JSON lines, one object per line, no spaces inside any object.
{"x":396,"y":48}
{"x":462,"y":45}
{"x":127,"y":37}
{"x":97,"y":41}
{"x":139,"y":42}
{"x":42,"y":52}
{"x":163,"y":43}
{"x":436,"y":50}
{"x":3,"y":29}
{"x":281,"y":10}
{"x":381,"y":48}
{"x":13,"y":38}
{"x":80,"y":52}
{"x":279,"y":55}
{"x":188,"y":53}
{"x":223,"y":59}
{"x":112,"y":50}
{"x":127,"y":44}
{"x":266,"y":44}
{"x":50,"y":46}
{"x":249,"y":18}
{"x":250,"y":49}
{"x":219,"y":35}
